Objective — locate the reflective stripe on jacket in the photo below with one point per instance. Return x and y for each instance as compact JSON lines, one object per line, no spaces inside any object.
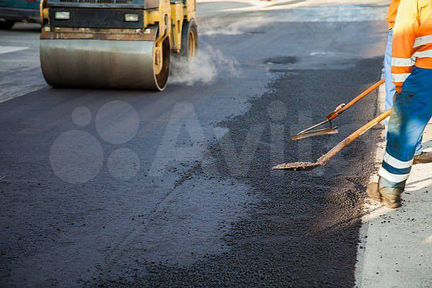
{"x":412,"y":42}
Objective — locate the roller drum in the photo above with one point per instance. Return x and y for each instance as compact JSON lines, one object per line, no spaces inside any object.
{"x":101,"y":64}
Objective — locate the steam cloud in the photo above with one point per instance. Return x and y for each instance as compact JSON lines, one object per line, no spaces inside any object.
{"x":218,"y":27}
{"x":204,"y":68}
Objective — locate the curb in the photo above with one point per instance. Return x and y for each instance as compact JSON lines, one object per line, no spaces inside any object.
{"x":368,"y":208}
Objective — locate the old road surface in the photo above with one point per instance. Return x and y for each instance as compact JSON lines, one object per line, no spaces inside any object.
{"x":174,"y":189}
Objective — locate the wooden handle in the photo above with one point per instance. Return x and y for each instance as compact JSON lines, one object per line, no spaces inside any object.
{"x":353,"y":137}
{"x":335,"y":114}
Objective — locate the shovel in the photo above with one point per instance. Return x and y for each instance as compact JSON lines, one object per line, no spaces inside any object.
{"x":313,"y":131}
{"x":323,"y":160}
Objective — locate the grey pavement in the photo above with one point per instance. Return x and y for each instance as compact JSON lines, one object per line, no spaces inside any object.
{"x":395,"y":248}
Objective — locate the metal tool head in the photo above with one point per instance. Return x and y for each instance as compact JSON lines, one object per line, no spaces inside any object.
{"x":297,"y":166}
{"x":314,"y":127}
{"x":314,"y":133}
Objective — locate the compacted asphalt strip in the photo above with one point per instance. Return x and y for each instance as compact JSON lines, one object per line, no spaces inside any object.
{"x":174,"y":189}
{"x":304,"y":230}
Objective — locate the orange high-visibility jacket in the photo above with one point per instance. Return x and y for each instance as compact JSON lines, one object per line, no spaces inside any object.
{"x":391,"y":17}
{"x":412,"y":39}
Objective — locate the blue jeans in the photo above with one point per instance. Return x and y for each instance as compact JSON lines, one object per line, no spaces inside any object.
{"x":412,"y":112}
{"x":390,"y":87}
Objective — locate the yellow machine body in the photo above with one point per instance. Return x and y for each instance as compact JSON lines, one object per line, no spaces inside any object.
{"x":85,"y":43}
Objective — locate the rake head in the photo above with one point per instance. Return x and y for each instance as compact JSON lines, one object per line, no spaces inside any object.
{"x":314,"y":133}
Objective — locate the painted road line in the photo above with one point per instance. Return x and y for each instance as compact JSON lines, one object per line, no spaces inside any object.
{"x":10,"y":49}
{"x":30,"y":80}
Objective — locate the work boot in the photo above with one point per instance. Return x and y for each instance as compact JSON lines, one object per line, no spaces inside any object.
{"x":373,"y":192}
{"x":424,"y":157}
{"x":389,"y":196}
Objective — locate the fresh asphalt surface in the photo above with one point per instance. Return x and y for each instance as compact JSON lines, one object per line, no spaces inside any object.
{"x":174,"y":189}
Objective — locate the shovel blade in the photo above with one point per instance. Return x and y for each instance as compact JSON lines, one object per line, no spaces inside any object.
{"x":297,"y":166}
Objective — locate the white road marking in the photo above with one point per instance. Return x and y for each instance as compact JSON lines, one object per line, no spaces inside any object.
{"x":9,"y":49}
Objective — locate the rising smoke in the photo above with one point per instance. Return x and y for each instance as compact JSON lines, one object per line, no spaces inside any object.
{"x":217,"y":26}
{"x":204,"y":68}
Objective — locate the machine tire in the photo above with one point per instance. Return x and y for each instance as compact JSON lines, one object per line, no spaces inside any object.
{"x":189,"y":46}
{"x":6,"y":24}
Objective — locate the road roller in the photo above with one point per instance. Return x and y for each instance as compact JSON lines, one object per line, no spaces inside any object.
{"x":124,"y":44}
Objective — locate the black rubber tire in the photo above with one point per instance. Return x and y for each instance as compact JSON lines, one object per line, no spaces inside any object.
{"x":6,"y":24}
{"x":189,"y":33}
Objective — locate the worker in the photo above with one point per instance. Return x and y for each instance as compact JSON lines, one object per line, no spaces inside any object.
{"x":412,"y":76}
{"x":390,"y":86}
